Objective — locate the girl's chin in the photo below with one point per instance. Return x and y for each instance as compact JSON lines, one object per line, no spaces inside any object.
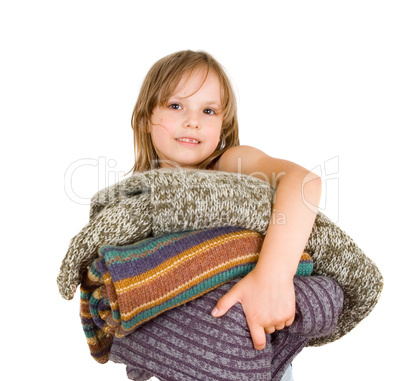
{"x":182,"y":161}
{"x":176,"y":164}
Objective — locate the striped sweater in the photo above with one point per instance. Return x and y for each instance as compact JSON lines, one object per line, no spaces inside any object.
{"x":130,"y":285}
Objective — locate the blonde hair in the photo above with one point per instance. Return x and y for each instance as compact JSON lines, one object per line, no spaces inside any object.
{"x":159,"y":84}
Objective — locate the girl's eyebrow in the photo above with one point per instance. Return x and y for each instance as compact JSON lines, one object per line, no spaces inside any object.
{"x":212,"y":103}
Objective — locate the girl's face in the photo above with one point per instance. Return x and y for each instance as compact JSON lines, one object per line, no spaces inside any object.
{"x":187,"y":129}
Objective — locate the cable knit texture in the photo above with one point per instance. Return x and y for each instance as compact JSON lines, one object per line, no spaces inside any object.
{"x":170,"y":200}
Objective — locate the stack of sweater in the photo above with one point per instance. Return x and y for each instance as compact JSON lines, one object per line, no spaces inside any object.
{"x":160,"y":202}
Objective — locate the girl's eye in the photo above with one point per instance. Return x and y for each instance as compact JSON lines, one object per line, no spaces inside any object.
{"x":209,"y":111}
{"x":175,"y":106}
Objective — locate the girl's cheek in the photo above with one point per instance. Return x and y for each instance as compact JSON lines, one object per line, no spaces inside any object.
{"x":167,"y":121}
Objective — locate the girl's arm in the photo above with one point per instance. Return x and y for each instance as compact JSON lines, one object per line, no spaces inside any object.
{"x":267,"y":292}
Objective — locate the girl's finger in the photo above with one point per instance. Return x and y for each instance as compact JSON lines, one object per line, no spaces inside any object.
{"x":280,"y":326}
{"x":225,"y":303}
{"x":270,"y":329}
{"x":290,"y":321}
{"x":257,"y":333}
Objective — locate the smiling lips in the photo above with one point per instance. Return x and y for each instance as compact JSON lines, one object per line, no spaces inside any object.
{"x":188,"y":140}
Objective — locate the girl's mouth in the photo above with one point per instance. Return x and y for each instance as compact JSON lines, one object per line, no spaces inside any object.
{"x":187,"y":140}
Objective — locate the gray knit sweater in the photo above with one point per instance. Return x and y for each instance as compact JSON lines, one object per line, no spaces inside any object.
{"x":168,"y":200}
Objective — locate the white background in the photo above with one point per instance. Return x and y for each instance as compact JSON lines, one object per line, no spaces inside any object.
{"x":316,"y":81}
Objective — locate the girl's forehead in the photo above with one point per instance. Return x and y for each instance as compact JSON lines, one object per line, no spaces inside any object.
{"x":191,"y":82}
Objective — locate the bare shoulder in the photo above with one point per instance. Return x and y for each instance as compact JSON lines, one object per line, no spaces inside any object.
{"x":246,"y":159}
{"x":252,"y":161}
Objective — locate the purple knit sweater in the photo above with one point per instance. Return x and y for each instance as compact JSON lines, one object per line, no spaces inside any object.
{"x":187,"y":343}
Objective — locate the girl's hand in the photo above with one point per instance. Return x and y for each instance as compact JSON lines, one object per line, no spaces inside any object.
{"x":268,"y":301}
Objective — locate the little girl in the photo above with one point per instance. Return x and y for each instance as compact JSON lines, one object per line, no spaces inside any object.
{"x":185,"y":116}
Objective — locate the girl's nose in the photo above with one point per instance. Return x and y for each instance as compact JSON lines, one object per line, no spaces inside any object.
{"x":191,"y":120}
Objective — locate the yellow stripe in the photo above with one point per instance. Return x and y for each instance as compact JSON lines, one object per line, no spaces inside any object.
{"x":94,"y":278}
{"x":305,"y":256}
{"x":94,"y":341}
{"x":86,"y":315}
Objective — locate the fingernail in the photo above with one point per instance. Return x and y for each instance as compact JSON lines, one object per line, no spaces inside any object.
{"x":214,"y":312}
